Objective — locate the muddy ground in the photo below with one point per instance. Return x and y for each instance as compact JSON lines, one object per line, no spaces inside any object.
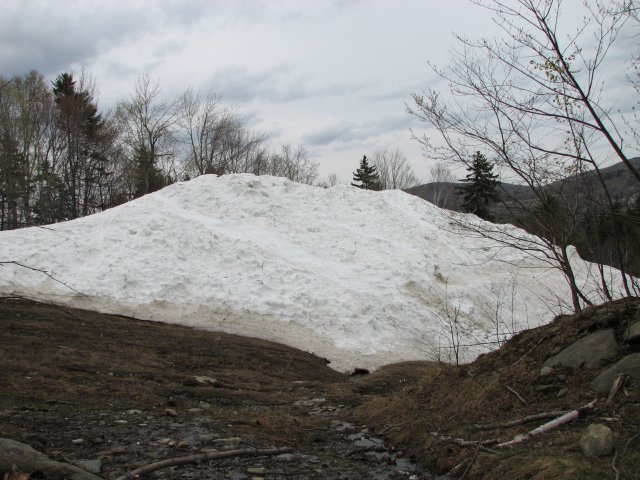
{"x":121,"y":393}
{"x":111,"y":394}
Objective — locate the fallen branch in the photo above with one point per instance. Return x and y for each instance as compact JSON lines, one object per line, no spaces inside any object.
{"x":566,"y":418}
{"x":33,"y":269}
{"x":516,"y":394}
{"x":520,"y":421}
{"x":204,"y":457}
{"x":462,"y":442}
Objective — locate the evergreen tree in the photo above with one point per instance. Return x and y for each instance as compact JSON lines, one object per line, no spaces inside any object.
{"x":367,"y":176}
{"x":480,"y":187}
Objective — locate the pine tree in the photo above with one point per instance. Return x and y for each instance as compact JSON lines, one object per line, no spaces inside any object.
{"x":367,"y":176}
{"x":480,"y":187}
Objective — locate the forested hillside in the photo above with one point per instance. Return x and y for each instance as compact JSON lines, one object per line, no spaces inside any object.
{"x":62,"y":157}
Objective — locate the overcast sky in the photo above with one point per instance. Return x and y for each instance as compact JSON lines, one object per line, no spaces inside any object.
{"x":332,"y":74}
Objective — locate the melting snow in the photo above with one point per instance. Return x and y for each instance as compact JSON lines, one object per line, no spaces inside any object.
{"x":360,"y":278}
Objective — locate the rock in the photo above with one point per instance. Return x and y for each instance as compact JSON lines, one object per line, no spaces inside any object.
{"x":285,"y":457}
{"x":204,"y":380}
{"x":257,"y":470}
{"x":170,"y":412}
{"x":311,"y":402}
{"x":134,"y":412}
{"x":633,"y":335}
{"x":204,"y":405}
{"x":629,"y":365}
{"x":378,"y":457}
{"x":597,"y":441}
{"x":92,"y":466}
{"x":77,"y":441}
{"x":194,"y":410}
{"x":227,"y":441}
{"x":29,"y":460}
{"x":112,"y":451}
{"x":593,"y":351}
{"x":121,"y":422}
{"x":546,"y":371}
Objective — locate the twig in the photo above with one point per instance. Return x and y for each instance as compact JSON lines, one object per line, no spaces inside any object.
{"x":461,"y":442}
{"x":617,"y":385}
{"x":566,"y":418}
{"x":516,"y":394}
{"x":13,"y":262}
{"x":473,"y":459}
{"x":520,"y":421}
{"x":613,"y":465}
{"x":170,"y":462}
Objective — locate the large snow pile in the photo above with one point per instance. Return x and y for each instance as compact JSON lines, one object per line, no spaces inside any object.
{"x":361,"y":278}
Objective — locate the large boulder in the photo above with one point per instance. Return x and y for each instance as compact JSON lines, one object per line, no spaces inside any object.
{"x":597,"y":441}
{"x":629,"y":365}
{"x":593,"y":351}
{"x":633,"y":335}
{"x":29,"y":460}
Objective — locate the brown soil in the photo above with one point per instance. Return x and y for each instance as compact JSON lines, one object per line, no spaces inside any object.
{"x":453,"y":399}
{"x":81,"y":385}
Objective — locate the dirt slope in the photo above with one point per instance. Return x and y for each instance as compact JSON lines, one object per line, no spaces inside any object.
{"x":122,"y":393}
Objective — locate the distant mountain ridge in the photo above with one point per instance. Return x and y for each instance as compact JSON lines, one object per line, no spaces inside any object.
{"x":621,"y":183}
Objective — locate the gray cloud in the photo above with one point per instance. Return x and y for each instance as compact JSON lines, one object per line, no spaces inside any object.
{"x":278,"y":84}
{"x":51,"y":36}
{"x":350,"y":133}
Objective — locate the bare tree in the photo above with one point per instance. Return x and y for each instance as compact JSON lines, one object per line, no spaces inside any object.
{"x":441,"y":180}
{"x":146,"y":124}
{"x":532,"y":98}
{"x":329,"y":182}
{"x":294,"y":163}
{"x":394,"y":169}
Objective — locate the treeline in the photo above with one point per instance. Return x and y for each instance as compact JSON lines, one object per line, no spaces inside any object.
{"x":62,"y":158}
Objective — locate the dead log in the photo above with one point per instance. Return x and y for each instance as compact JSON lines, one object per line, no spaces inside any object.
{"x":26,"y":459}
{"x":203,"y":457}
{"x":520,"y":421}
{"x":566,"y":418}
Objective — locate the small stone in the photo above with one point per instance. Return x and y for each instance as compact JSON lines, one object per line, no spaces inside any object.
{"x":204,"y":405}
{"x":121,"y":422}
{"x":77,"y":441}
{"x":91,"y":466}
{"x":112,"y":451}
{"x":164,"y":441}
{"x":133,"y":412}
{"x":286,"y":457}
{"x":170,"y":412}
{"x":227,"y":441}
{"x":257,"y":470}
{"x":562,"y":392}
{"x":311,"y":402}
{"x":597,"y":441}
{"x":203,"y":379}
{"x":97,"y":440}
{"x":194,"y":410}
{"x":546,"y":371}
{"x":183,"y":444}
